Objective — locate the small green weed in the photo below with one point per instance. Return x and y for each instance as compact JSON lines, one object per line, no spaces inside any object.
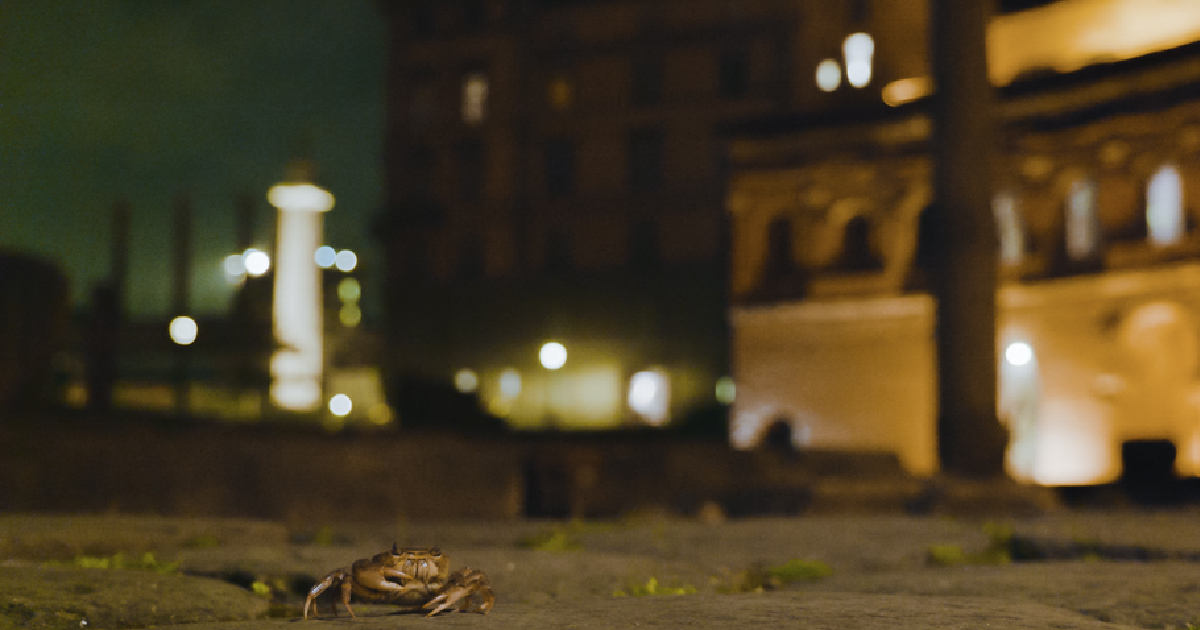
{"x":998,"y":551}
{"x":147,"y":562}
{"x":652,"y":587}
{"x":757,"y":579}
{"x":558,"y":539}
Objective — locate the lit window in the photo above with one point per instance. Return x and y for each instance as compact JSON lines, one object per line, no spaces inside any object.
{"x":857,"y":51}
{"x":559,"y":93}
{"x":1164,"y":207}
{"x":829,"y":75}
{"x":1009,"y":228}
{"x":1082,"y":225}
{"x":474,"y":98}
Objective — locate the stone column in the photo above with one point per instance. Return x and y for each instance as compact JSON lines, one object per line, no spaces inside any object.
{"x":963,"y":269}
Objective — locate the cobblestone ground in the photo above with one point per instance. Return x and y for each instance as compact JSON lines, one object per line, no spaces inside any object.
{"x":1135,"y":569}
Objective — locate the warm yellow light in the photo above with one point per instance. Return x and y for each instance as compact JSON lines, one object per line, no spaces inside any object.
{"x":858,"y":51}
{"x":829,"y":75}
{"x":474,"y":97}
{"x":466,"y":381}
{"x":300,"y":197}
{"x":907,"y":90}
{"x":345,"y":260}
{"x":553,"y":355}
{"x":256,"y":262}
{"x":349,"y":290}
{"x":183,"y":330}
{"x":1018,"y":353}
{"x":340,"y":405}
{"x":350,"y":315}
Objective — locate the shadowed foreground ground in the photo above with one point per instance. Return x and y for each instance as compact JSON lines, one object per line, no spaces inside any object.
{"x":205,"y":572}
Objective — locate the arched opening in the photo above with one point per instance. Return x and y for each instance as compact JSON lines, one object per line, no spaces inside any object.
{"x":1164,"y":207}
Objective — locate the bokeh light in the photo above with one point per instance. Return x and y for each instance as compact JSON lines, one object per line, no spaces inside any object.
{"x":553,"y":355}
{"x":183,"y":330}
{"x":325,"y":256}
{"x":340,"y":405}
{"x":510,"y":383}
{"x":726,"y":390}
{"x":466,"y":381}
{"x":1018,"y":353}
{"x":256,"y":261}
{"x":858,"y":50}
{"x":345,"y":260}
{"x":649,"y":395}
{"x":829,"y":75}
{"x":349,"y":290}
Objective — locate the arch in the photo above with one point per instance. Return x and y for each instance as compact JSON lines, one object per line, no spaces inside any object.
{"x":1164,"y":207}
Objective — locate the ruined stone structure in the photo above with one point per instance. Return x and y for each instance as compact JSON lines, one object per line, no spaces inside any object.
{"x":1096,"y":212}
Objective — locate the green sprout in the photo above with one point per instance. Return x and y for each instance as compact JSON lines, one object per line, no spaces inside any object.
{"x":652,"y":588}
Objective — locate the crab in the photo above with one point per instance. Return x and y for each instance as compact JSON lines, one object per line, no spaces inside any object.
{"x":416,"y":579}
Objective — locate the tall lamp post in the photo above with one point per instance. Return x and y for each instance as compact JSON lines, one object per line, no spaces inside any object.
{"x":296,"y":368}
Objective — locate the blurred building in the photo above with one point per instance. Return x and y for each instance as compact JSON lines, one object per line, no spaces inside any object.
{"x":1097,"y":217}
{"x":555,"y":173}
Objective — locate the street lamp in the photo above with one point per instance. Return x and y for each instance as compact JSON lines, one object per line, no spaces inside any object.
{"x":296,"y":368}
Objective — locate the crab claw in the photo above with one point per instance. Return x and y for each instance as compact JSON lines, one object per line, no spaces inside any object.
{"x":467,"y":589}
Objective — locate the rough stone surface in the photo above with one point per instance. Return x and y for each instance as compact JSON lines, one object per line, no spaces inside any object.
{"x":882,"y":575}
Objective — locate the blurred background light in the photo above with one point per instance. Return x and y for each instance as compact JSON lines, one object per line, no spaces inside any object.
{"x":349,"y":290}
{"x":553,"y":355}
{"x":350,"y":315}
{"x":183,"y":330}
{"x":325,"y":256}
{"x":346,"y":260}
{"x":466,"y":381}
{"x":829,"y":75}
{"x":235,"y":268}
{"x":340,"y":405}
{"x":858,"y":50}
{"x":1018,"y":353}
{"x":510,"y":383}
{"x":726,"y":390}
{"x":649,"y":395}
{"x":256,"y":261}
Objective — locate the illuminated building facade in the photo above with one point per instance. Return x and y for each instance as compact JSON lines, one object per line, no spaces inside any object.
{"x":1096,"y":211}
{"x":555,"y":173}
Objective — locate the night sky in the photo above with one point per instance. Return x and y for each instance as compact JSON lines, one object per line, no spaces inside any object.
{"x":147,"y":100}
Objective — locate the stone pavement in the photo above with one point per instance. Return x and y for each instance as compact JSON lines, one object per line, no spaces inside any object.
{"x":884,"y":571}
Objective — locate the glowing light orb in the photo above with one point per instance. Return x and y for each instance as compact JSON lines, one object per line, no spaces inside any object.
{"x":726,"y":390}
{"x":649,"y":395}
{"x":510,"y":383}
{"x":350,"y":315}
{"x":466,"y":381}
{"x":858,"y":50}
{"x":345,"y":260}
{"x":183,"y":330}
{"x":256,"y":261}
{"x":829,"y":75}
{"x":340,"y":405}
{"x":349,"y":290}
{"x":325,"y":256}
{"x":1018,"y":353}
{"x":553,"y":355}
{"x":235,"y":269}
